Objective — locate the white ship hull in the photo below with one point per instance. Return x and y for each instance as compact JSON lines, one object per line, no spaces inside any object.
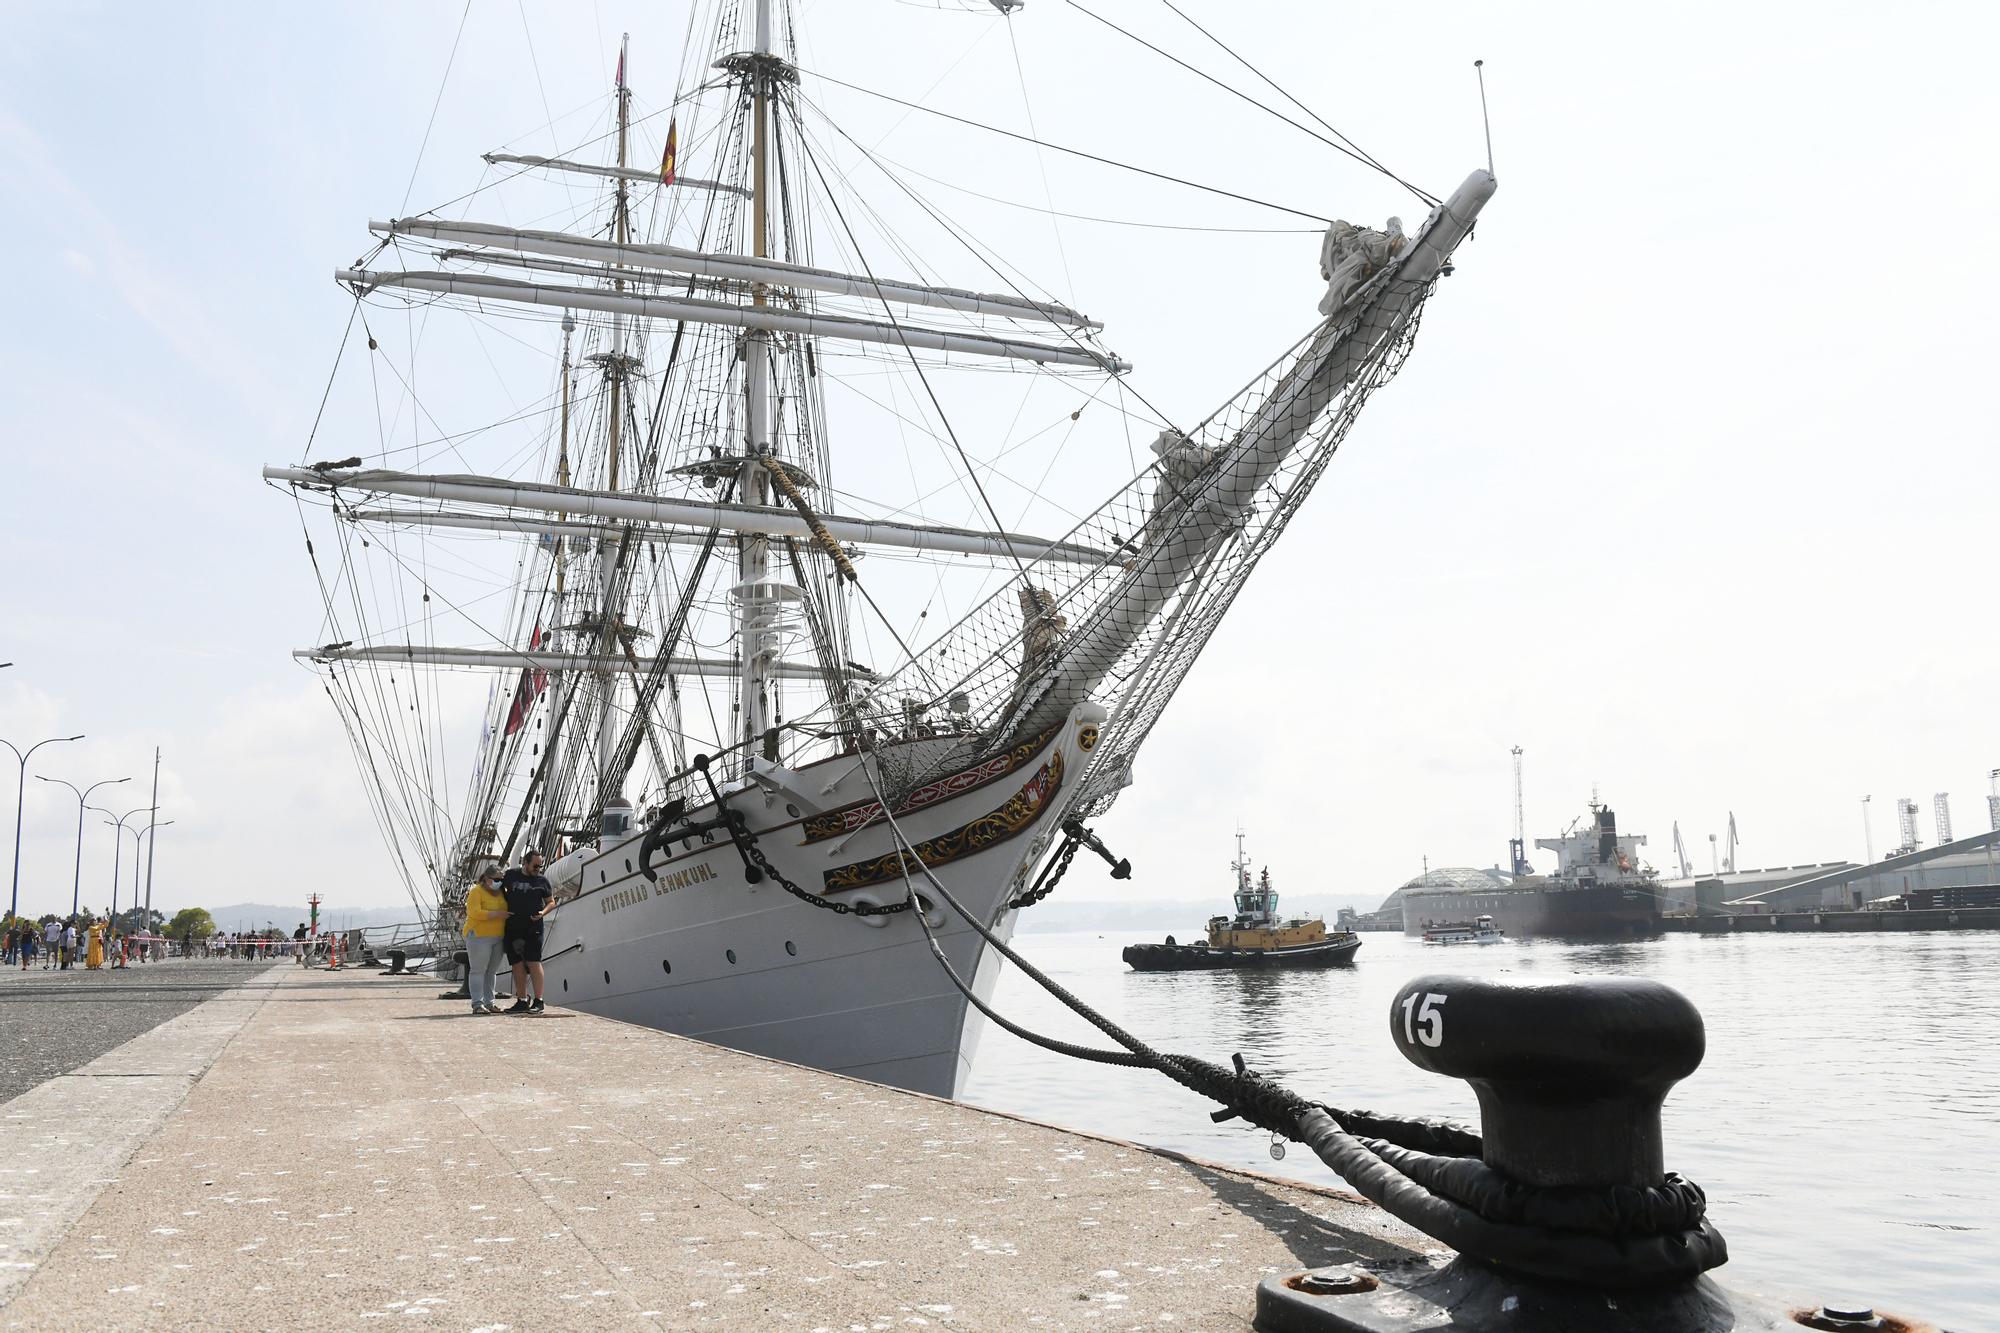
{"x":700,"y":952}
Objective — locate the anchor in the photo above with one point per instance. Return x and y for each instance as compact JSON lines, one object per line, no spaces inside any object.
{"x":1120,"y":867}
{"x":670,"y":828}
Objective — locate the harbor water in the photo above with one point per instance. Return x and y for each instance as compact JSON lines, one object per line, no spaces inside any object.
{"x":1845,"y":1123}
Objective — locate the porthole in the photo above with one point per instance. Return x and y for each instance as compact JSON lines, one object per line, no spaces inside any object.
{"x":600,"y":877}
{"x":565,"y":985}
{"x":791,"y":948}
{"x":666,"y":966}
{"x":730,"y":954}
{"x":607,"y":978}
{"x":791,"y":810}
{"x":628,"y":865}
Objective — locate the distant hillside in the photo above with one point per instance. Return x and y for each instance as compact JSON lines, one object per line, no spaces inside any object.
{"x":286,"y":916}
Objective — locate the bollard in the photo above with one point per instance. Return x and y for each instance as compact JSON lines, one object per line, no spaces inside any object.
{"x":1570,"y":1076}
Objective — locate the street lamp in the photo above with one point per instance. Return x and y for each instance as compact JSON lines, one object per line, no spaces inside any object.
{"x":139,"y":836}
{"x":118,"y":851}
{"x":138,"y":839}
{"x":20,"y":790}
{"x":82,"y":802}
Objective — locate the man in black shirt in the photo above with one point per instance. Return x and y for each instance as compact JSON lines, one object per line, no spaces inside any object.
{"x":528,"y":900}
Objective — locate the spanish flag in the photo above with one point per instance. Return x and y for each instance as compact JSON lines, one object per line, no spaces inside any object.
{"x":667,"y":163}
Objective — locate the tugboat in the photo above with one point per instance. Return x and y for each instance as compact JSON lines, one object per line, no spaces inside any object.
{"x":1255,"y":937}
{"x":1480,"y":930}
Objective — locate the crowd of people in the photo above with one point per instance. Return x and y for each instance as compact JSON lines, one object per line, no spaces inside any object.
{"x":502,"y":925}
{"x":58,"y":945}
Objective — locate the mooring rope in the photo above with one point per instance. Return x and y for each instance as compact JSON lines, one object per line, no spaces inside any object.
{"x":1426,"y":1172}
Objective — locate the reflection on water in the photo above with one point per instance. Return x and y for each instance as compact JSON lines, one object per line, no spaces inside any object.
{"x":1846,"y":1122}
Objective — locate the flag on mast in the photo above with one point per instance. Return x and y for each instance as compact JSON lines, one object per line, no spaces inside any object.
{"x":533,"y":682}
{"x":620,"y":82}
{"x":668,"y":160}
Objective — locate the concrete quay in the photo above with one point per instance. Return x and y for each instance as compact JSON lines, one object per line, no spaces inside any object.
{"x":1867,"y":920}
{"x":330,"y":1150}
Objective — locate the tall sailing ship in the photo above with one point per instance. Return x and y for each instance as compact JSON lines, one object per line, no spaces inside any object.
{"x":745,"y":712}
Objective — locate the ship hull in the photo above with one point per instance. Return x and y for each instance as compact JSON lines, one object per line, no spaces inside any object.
{"x":1597,"y":911}
{"x":1195,"y":958}
{"x":700,"y":952}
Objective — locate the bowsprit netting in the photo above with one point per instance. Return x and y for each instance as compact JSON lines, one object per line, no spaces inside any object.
{"x":1175,"y":547}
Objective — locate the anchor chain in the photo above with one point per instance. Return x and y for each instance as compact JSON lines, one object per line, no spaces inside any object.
{"x":763,"y":863}
{"x":1075,"y":835}
{"x":1052,"y":873}
{"x":756,"y":865}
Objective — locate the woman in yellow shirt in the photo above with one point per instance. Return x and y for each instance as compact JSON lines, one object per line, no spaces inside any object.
{"x":94,"y":958}
{"x":485,"y":920}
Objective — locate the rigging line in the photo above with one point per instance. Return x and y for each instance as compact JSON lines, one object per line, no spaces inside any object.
{"x":439,"y":101}
{"x":457,"y":608}
{"x":1422,"y":194}
{"x":332,"y":373}
{"x":885,"y":136}
{"x":1363,"y":158}
{"x":372,"y":786}
{"x":417,"y":405}
{"x":392,"y":721}
{"x":960,"y":235}
{"x":536,"y":65}
{"x":912,"y":507}
{"x":1112,"y":222}
{"x":1041,"y":160}
{"x":889,"y":314}
{"x":568,"y":152}
{"x":1076,"y":152}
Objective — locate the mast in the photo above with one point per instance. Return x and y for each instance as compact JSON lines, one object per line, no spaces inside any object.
{"x":753,"y":607}
{"x":615,"y":367}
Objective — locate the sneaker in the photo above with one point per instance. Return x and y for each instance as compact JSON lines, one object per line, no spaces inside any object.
{"x":518,"y":1007}
{"x":535,"y":1008}
{"x":491,"y":1009}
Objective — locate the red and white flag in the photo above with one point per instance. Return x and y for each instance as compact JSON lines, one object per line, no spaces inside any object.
{"x":533,"y":681}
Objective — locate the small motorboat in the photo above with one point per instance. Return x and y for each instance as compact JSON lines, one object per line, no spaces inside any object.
{"x":1255,"y":937}
{"x":1479,"y":930}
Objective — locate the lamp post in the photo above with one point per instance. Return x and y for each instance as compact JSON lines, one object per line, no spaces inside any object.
{"x":138,"y":837}
{"x":82,"y":803}
{"x":118,"y":851}
{"x":145,"y":916}
{"x":20,"y":790}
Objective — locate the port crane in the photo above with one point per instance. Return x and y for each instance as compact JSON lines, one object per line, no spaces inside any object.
{"x":1517,"y":850}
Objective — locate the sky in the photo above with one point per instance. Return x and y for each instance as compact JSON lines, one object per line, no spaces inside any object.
{"x":1687,"y":490}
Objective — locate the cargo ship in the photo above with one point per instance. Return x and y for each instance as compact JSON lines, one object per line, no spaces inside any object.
{"x":1601,"y":888}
